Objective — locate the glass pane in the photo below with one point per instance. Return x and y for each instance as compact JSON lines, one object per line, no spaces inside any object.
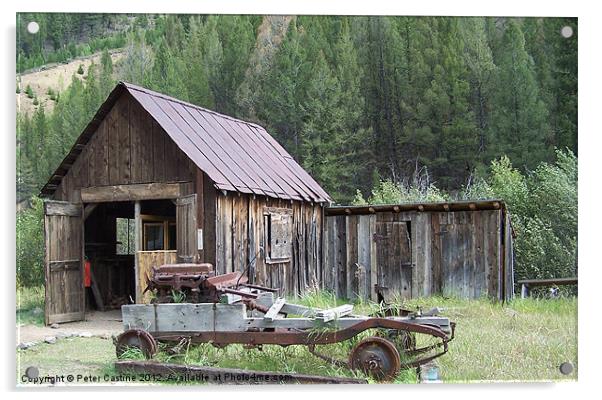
{"x":172,"y":237}
{"x":153,"y":237}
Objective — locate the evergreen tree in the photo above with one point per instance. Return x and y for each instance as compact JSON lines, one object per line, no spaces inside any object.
{"x":92,"y":99}
{"x":237,"y":38}
{"x":479,"y":61}
{"x":196,"y":65}
{"x":282,"y":93}
{"x":106,"y":82}
{"x":519,"y":125}
{"x":167,"y":73}
{"x":138,"y":59}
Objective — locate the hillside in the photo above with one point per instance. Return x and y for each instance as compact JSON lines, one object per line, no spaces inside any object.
{"x":56,"y":77}
{"x":356,"y":100}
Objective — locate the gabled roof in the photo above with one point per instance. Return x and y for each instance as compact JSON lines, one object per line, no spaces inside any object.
{"x":236,"y":155}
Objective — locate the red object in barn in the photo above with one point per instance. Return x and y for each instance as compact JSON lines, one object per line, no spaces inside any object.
{"x":87,"y":278}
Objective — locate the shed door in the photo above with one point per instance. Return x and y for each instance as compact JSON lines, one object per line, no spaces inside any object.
{"x":63,"y":239}
{"x":394,"y":260}
{"x":186,"y":227}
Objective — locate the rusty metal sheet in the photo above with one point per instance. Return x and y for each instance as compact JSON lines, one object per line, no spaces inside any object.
{"x":236,"y":155}
{"x":242,"y":167}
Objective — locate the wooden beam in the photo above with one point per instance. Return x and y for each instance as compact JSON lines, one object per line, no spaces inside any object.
{"x":548,"y":282}
{"x":334,"y":313}
{"x":62,"y":208}
{"x":274,"y":309}
{"x":135,"y":192}
{"x":137,"y":249}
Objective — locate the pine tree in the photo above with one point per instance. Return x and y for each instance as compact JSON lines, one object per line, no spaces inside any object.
{"x":138,"y":59}
{"x":213,"y":58}
{"x":196,"y":65}
{"x":167,"y":73}
{"x":40,"y":165}
{"x":479,"y":61}
{"x":451,"y":118}
{"x":354,"y":135}
{"x":92,"y":97}
{"x":519,"y":125}
{"x":282,"y":93}
{"x":106,"y":82}
{"x":237,"y":38}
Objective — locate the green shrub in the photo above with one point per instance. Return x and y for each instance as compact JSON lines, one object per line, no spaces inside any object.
{"x":30,"y":245}
{"x":543,"y":212}
{"x":80,"y":70}
{"x":29,"y":92}
{"x":389,"y":192}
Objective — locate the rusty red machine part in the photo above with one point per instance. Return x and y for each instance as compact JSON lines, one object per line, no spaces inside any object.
{"x":231,"y":311}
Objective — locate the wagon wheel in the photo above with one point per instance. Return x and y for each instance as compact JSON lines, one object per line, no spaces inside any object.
{"x":138,"y":339}
{"x":377,"y":357}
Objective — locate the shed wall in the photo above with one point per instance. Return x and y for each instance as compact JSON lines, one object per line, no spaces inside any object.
{"x":240,"y":233}
{"x":462,"y":253}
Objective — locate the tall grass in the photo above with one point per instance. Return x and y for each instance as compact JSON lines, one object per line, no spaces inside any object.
{"x":520,"y":340}
{"x":30,"y":305}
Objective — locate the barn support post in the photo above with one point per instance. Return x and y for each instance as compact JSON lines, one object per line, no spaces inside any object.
{"x":137,"y":248}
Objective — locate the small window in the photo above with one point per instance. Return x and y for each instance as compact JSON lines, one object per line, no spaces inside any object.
{"x":278,"y":230}
{"x":159,"y":234}
{"x":125,"y":236}
{"x":154,"y":236}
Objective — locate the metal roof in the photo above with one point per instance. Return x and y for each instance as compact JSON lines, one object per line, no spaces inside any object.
{"x":236,"y":155}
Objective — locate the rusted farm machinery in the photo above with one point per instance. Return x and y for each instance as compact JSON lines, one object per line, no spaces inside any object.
{"x":226,"y":309}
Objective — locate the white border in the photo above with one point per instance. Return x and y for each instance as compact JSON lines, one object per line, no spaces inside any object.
{"x":589,"y":153}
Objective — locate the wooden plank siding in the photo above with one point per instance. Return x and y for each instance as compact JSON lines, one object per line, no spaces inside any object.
{"x":467,"y":254}
{"x":128,"y":147}
{"x":240,"y":242}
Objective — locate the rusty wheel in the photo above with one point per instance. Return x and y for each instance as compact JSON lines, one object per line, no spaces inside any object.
{"x":376,"y":357}
{"x":137,"y":339}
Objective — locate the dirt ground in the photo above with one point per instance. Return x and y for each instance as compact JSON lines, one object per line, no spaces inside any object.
{"x":97,"y":323}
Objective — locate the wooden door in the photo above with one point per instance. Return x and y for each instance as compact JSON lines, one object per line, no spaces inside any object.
{"x":393,"y":260}
{"x":186,"y":229}
{"x":63,"y":239}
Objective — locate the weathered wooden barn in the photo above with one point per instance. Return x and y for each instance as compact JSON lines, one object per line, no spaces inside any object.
{"x":155,"y":180}
{"x":390,"y":252}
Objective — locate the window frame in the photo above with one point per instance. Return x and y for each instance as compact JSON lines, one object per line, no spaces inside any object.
{"x":268,"y":225}
{"x":165,"y":222}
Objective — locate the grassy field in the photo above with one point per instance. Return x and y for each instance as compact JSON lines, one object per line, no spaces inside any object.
{"x":522,"y":340}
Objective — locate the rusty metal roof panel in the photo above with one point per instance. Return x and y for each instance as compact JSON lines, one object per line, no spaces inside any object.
{"x":237,"y":155}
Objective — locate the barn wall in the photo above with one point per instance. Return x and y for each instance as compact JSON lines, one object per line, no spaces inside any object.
{"x":462,"y":253}
{"x":239,"y":235}
{"x":128,"y":147}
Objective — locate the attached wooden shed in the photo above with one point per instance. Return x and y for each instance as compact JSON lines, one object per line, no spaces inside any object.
{"x":155,"y":180}
{"x":402,"y":251}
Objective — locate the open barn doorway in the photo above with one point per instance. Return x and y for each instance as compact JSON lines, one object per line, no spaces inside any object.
{"x":123,"y":241}
{"x":109,"y":254}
